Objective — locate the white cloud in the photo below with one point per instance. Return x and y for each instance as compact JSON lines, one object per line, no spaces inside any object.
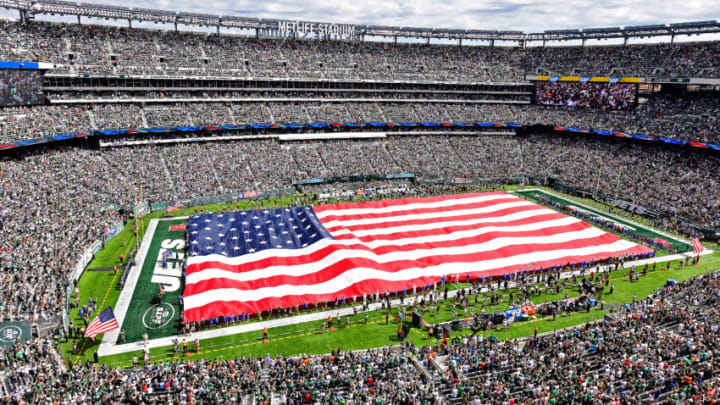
{"x":521,"y":15}
{"x":518,"y":15}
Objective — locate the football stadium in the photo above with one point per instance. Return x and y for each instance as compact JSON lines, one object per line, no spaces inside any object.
{"x":202,"y":208}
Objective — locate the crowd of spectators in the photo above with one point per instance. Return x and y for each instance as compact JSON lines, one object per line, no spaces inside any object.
{"x":52,"y":206}
{"x":659,"y":349}
{"x":21,"y":123}
{"x":691,"y":117}
{"x":112,"y":50}
{"x":20,"y":87}
{"x":662,"y":60}
{"x":324,"y":95}
{"x":680,"y":184}
{"x":54,"y":202}
{"x":387,"y":375}
{"x":115,"y":50}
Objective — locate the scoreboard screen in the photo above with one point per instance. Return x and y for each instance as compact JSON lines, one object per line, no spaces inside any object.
{"x":20,"y":87}
{"x":613,"y":96}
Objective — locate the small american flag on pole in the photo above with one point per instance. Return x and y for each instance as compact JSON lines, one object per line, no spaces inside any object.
{"x":697,"y":246}
{"x":105,"y":322}
{"x":173,"y":206}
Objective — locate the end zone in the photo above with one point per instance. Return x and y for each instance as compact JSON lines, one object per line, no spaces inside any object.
{"x":139,"y":308}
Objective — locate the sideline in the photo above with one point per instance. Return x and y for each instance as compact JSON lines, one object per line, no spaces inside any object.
{"x":112,"y":349}
{"x":102,"y":305}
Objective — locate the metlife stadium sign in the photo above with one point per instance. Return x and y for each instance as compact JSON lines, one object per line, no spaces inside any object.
{"x":300,"y":27}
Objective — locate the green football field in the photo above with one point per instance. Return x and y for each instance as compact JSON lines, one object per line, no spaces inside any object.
{"x":146,"y":314}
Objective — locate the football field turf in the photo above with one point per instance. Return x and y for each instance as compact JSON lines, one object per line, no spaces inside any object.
{"x":145,"y":315}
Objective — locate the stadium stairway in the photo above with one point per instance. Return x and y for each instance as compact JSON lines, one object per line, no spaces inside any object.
{"x":91,"y":117}
{"x":4,"y":391}
{"x":220,"y":187}
{"x":440,"y":362}
{"x":143,"y":118}
{"x":166,"y":171}
{"x":249,"y":400}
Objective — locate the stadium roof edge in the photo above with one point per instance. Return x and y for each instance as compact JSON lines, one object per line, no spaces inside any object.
{"x":271,"y":27}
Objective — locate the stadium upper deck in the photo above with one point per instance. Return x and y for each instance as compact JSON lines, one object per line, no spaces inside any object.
{"x":112,"y":50}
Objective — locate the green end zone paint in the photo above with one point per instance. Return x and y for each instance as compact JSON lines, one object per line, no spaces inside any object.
{"x":147,"y":313}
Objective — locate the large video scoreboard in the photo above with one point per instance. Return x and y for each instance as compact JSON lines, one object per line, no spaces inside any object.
{"x":587,"y":92}
{"x":21,"y":83}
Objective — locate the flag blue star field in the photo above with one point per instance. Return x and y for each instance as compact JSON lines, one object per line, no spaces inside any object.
{"x":252,"y":261}
{"x":239,"y":233}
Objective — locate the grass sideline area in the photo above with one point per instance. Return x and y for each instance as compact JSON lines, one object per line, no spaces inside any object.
{"x":306,"y":338}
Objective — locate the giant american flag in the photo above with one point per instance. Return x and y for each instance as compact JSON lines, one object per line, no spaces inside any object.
{"x":252,"y":261}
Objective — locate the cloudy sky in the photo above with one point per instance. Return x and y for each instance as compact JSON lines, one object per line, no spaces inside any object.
{"x":520,"y":15}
